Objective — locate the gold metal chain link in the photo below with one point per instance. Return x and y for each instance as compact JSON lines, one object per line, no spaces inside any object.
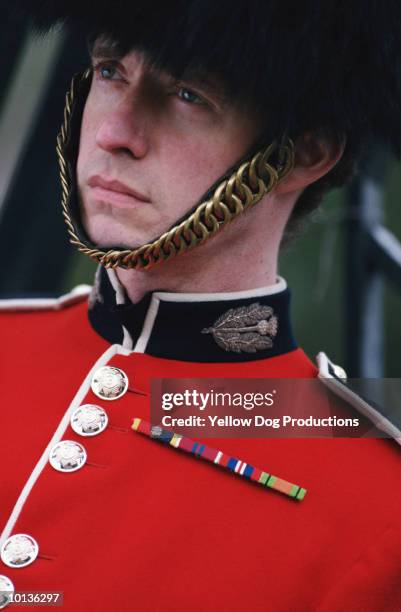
{"x":246,"y":186}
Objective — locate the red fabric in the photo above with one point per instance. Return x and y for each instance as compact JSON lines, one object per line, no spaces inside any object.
{"x":145,"y":527}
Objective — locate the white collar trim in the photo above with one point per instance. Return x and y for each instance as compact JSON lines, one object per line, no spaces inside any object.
{"x":279,"y":286}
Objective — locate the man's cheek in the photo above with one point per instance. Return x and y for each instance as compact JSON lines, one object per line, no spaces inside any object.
{"x":85,"y":157}
{"x":87,"y":139}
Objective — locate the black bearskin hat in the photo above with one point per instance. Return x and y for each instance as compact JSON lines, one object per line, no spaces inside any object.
{"x":332,"y":65}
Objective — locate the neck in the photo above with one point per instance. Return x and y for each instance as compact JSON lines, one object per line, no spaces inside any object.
{"x":230,"y":261}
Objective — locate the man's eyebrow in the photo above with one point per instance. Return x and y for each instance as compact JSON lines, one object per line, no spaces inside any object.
{"x":105,"y":49}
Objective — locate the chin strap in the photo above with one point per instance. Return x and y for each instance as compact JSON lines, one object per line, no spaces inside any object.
{"x":232,"y":196}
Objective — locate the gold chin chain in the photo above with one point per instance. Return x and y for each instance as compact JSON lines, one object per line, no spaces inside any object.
{"x":244,"y":188}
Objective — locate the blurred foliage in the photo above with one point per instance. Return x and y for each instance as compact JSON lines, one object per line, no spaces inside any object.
{"x":82,"y":270}
{"x":313,"y":267}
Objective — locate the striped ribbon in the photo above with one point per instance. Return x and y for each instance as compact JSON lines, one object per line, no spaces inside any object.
{"x":218,"y":458}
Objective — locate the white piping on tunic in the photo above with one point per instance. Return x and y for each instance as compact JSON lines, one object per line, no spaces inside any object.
{"x":120,"y":299}
{"x":117,"y":286}
{"x":26,"y":304}
{"x":114,"y":349}
{"x":147,"y":329}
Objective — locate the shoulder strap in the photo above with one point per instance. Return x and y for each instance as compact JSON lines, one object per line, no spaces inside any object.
{"x":335,"y":378}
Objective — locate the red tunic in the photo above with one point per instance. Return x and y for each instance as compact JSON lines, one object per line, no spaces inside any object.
{"x":145,"y":527}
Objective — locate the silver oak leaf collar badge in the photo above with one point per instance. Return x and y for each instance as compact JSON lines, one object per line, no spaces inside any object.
{"x":247,"y":329}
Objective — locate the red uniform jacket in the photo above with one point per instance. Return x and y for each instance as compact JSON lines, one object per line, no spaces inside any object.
{"x":142,"y":526}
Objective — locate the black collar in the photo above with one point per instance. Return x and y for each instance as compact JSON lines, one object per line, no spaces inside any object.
{"x":222,"y":327}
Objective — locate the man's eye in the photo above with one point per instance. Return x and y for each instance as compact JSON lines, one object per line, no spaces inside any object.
{"x":187,"y":95}
{"x":106,"y":72}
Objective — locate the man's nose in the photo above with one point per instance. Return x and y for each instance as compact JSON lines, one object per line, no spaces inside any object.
{"x":123,"y":128}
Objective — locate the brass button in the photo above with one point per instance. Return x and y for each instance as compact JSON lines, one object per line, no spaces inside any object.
{"x":89,"y":420}
{"x":109,"y":383}
{"x":19,"y":550}
{"x":340,"y":372}
{"x":67,"y":456}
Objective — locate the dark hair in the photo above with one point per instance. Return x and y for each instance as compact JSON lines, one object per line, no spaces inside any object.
{"x":311,"y":198}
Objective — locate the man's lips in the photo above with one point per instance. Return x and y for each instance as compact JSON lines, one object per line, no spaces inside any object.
{"x":114,"y":191}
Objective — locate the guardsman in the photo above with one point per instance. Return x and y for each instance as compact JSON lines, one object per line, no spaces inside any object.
{"x":196,"y":142}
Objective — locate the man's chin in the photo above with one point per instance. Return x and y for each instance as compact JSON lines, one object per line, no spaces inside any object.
{"x":113,"y":241}
{"x":108,"y":234}
{"x":109,"y":244}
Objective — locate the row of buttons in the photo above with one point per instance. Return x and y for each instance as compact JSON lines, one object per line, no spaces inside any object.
{"x":108,"y":383}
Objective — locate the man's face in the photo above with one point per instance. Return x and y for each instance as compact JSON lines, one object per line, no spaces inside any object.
{"x":150,"y":147}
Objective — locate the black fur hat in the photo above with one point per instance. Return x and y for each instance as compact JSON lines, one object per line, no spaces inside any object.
{"x":331,"y":65}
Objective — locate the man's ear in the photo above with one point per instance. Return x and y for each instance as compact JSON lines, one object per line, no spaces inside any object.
{"x":315,"y":156}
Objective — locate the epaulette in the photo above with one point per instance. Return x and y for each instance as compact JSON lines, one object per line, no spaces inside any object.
{"x":79,"y":293}
{"x":335,"y":378}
